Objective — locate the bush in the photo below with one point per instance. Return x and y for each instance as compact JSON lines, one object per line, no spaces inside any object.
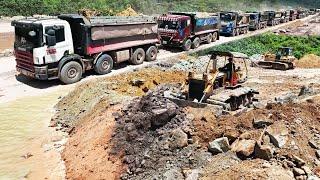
{"x":30,"y":7}
{"x":270,"y":42}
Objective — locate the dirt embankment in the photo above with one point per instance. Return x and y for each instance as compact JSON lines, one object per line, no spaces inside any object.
{"x":152,"y":137}
{"x":309,"y":61}
{"x":115,"y":135}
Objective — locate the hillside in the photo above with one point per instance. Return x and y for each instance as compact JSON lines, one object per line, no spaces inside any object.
{"x":110,"y":7}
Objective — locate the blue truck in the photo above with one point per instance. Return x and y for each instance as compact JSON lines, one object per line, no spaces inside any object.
{"x":234,"y":23}
{"x":257,"y":20}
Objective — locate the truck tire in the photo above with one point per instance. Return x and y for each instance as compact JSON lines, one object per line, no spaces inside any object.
{"x":237,"y":32}
{"x":209,"y":38}
{"x":71,"y":72}
{"x":196,"y":43}
{"x":151,"y":53}
{"x":187,"y":45}
{"x":214,"y":36}
{"x":234,"y":32}
{"x":138,"y":56}
{"x":104,"y":64}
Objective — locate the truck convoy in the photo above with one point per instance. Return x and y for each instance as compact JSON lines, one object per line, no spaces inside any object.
{"x":257,"y":20}
{"x":234,"y":23}
{"x":66,"y":46}
{"x":188,"y":29}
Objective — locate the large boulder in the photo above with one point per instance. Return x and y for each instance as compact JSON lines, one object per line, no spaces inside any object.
{"x":219,"y":145}
{"x":278,"y":134}
{"x":243,"y":148}
{"x":179,"y":139}
{"x":173,"y":174}
{"x":263,"y":152}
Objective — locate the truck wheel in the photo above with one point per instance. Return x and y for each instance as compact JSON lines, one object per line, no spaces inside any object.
{"x":196,"y":43}
{"x":71,"y":72}
{"x":214,"y":37}
{"x":234,"y":32}
{"x":237,"y":32}
{"x":187,"y":45}
{"x":151,"y":53}
{"x":209,"y":38}
{"x":138,"y":56}
{"x":104,"y":64}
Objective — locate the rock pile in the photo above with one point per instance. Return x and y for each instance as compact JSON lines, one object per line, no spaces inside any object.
{"x":155,"y":137}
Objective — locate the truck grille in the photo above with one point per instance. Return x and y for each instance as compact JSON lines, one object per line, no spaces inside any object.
{"x":24,"y":60}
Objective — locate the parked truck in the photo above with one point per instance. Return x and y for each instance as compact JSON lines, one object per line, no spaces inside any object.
{"x":274,"y":17}
{"x":301,"y":13}
{"x":234,"y":23}
{"x":66,"y":46}
{"x":293,"y":15}
{"x":257,"y":20}
{"x":188,"y":29}
{"x":285,"y":16}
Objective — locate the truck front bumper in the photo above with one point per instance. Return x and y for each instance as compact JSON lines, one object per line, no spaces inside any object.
{"x":40,"y":72}
{"x":226,"y":30}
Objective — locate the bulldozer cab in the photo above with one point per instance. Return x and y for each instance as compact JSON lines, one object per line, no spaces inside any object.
{"x":230,"y":66}
{"x":286,"y":51}
{"x":224,"y":69}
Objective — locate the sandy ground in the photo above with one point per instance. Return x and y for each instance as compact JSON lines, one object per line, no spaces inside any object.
{"x":14,"y":88}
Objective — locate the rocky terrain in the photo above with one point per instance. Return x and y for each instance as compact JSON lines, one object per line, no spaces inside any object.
{"x":123,"y":128}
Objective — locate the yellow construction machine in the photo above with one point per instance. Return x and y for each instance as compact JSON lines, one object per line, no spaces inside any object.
{"x":220,"y":84}
{"x":282,"y":60}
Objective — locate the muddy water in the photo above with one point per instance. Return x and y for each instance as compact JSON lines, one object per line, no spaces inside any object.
{"x":24,"y":130}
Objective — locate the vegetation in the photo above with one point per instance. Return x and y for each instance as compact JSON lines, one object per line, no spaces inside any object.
{"x":270,"y":43}
{"x":110,"y":7}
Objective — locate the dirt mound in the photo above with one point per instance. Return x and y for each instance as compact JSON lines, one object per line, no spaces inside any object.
{"x":72,"y":108}
{"x":308,"y":61}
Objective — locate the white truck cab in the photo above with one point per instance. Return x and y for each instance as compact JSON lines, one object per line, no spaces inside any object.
{"x":66,"y":46}
{"x":33,"y":46}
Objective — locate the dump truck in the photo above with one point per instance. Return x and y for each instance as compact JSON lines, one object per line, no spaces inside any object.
{"x":293,"y":15}
{"x":66,"y":46}
{"x":234,"y":23}
{"x":285,"y":16}
{"x":274,"y":17}
{"x":301,"y":13}
{"x":188,"y":29}
{"x":312,"y":11}
{"x":282,"y":60}
{"x":221,"y":84}
{"x":257,"y":20}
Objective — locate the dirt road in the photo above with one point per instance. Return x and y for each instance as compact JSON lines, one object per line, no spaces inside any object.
{"x":12,"y":86}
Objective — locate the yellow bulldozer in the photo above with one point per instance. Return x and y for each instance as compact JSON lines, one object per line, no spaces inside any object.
{"x":221,"y":84}
{"x":282,"y":60}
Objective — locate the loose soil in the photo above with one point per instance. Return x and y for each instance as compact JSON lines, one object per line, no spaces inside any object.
{"x":308,"y":61}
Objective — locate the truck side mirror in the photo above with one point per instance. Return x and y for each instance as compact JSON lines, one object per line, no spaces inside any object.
{"x":51,"y":37}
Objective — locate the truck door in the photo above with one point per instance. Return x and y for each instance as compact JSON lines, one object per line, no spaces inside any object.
{"x":55,"y":52}
{"x":184,"y":29}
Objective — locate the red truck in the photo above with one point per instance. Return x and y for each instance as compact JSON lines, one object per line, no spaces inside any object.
{"x":188,"y":29}
{"x":66,"y":46}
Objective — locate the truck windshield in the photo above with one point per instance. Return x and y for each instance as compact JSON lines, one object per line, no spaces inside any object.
{"x":226,"y":17}
{"x":253,"y":16}
{"x":27,"y":37}
{"x":168,"y":24}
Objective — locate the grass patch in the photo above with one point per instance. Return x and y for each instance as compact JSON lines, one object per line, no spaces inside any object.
{"x":270,"y":42}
